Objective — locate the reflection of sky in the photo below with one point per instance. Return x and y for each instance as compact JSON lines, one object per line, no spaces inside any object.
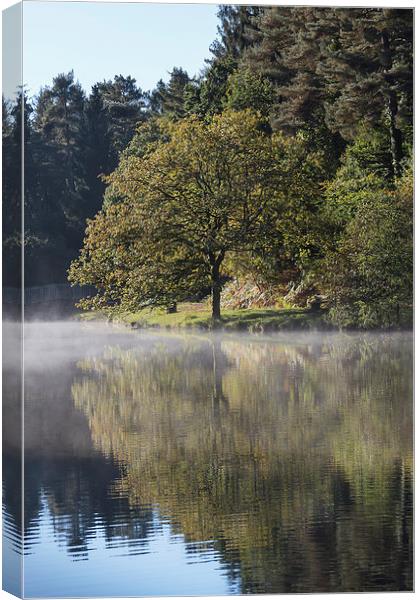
{"x":11,"y":564}
{"x":163,"y":568}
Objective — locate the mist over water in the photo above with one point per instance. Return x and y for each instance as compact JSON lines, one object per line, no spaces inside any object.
{"x":160,"y":463}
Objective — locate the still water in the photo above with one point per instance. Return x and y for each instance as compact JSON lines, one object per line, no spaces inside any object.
{"x":160,"y":464}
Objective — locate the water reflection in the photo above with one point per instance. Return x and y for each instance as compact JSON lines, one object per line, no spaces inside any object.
{"x":282,"y":465}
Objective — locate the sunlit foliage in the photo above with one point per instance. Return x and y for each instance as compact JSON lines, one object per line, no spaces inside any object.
{"x":207,"y":192}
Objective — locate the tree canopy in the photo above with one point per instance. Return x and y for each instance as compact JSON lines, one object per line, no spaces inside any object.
{"x":322,"y":102}
{"x":213,"y":190}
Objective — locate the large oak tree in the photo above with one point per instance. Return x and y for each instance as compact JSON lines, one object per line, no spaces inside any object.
{"x":208,"y":191}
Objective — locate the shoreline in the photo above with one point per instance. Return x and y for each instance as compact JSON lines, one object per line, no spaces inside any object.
{"x":245,"y":320}
{"x":257,"y":320}
{"x":251,"y":320}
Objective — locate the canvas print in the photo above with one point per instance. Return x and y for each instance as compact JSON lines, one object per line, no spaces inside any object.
{"x":207,"y":299}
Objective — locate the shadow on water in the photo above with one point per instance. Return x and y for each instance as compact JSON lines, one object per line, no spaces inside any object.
{"x":286,"y":460}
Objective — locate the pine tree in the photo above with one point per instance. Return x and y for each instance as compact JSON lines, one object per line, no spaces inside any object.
{"x":288,"y":49}
{"x":236,"y":33}
{"x":236,"y":29}
{"x":335,"y":68}
{"x":214,"y":85}
{"x":12,"y":190}
{"x":60,"y":120}
{"x":99,"y":158}
{"x":369,"y":74}
{"x":169,"y":98}
{"x":125,"y":104}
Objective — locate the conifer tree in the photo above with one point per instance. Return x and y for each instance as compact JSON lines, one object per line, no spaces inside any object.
{"x":99,"y":155}
{"x":290,"y":47}
{"x":125,"y":104}
{"x":236,"y":30}
{"x":12,"y":190}
{"x":169,"y":98}
{"x":60,"y":120}
{"x":369,"y":74}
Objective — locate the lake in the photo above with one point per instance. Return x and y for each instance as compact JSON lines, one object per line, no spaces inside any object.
{"x":165,"y":464}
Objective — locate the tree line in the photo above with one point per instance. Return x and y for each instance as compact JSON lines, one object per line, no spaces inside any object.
{"x":287,"y":161}
{"x":70,"y":139}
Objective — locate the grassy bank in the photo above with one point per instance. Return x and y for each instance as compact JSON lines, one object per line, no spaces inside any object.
{"x":197,"y":316}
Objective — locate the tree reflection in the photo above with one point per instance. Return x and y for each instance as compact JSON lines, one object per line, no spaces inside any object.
{"x":293,"y":461}
{"x":64,"y":474}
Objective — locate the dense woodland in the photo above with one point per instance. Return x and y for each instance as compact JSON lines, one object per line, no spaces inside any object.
{"x":286,"y":164}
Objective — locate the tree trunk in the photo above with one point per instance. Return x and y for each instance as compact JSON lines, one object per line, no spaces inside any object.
{"x":215,"y":292}
{"x":395,"y":135}
{"x":217,"y":397}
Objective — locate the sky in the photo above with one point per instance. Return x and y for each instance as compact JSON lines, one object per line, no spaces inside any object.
{"x":100,"y":40}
